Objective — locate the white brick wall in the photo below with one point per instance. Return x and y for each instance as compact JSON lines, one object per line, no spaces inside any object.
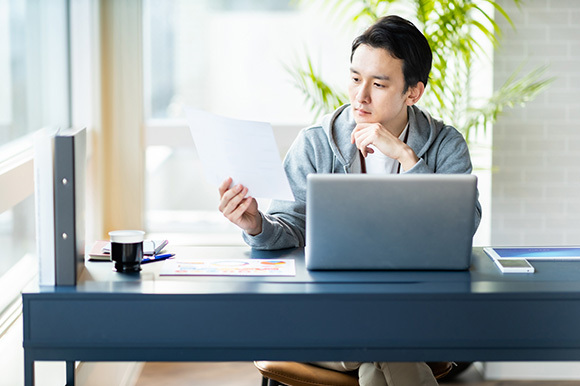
{"x":536,"y":149}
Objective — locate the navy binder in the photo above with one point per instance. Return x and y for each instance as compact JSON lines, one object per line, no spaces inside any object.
{"x":69,"y":201}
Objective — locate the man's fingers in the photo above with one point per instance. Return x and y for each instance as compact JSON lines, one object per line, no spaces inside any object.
{"x":239,"y":211}
{"x":225,"y":186}
{"x":356,"y":133}
{"x":362,"y":142}
{"x":239,"y":193}
{"x":228,"y":196}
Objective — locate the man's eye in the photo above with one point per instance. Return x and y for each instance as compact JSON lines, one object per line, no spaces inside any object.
{"x":379,"y":85}
{"x":355,"y":79}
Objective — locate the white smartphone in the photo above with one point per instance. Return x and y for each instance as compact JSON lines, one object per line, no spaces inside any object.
{"x":514,"y":265}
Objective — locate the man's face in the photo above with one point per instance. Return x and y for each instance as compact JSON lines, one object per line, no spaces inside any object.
{"x":376,"y":88}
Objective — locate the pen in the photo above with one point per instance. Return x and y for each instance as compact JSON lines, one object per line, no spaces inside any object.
{"x":157,"y":258}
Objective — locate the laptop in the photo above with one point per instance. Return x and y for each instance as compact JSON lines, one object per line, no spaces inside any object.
{"x":390,"y":222}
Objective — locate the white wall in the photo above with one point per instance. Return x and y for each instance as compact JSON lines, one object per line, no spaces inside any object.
{"x":536,"y":179}
{"x":536,"y":162}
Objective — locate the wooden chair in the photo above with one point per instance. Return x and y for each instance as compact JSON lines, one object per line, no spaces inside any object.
{"x":304,"y":374}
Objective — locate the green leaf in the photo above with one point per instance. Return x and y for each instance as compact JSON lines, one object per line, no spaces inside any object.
{"x":320,"y":96}
{"x":515,"y":91}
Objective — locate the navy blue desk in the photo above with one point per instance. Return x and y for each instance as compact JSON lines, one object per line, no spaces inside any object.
{"x":355,"y":316}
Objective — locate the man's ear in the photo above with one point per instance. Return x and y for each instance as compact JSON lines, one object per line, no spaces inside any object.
{"x":415,"y":93}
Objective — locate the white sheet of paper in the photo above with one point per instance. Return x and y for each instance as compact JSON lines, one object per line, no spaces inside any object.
{"x":243,"y":150}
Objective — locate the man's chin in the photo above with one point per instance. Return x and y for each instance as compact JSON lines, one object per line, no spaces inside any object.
{"x":364,"y":120}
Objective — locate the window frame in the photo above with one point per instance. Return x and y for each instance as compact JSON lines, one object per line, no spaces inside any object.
{"x":16,"y":173}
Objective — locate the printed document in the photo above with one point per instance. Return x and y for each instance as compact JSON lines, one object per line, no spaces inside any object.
{"x":233,"y":267}
{"x":243,"y":150}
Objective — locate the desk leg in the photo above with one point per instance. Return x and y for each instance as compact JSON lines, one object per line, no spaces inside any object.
{"x":70,"y":373}
{"x":28,"y":370}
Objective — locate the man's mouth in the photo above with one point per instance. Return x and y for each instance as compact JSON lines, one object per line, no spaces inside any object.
{"x":362,"y":111}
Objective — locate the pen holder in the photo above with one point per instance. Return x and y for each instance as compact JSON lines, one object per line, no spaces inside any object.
{"x":127,"y":250}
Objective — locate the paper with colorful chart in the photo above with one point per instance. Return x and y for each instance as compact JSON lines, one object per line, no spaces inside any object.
{"x":232,"y":267}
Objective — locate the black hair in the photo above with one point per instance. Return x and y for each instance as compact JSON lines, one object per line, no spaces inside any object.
{"x":403,"y":41}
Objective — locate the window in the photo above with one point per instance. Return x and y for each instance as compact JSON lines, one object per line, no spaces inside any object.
{"x":229,"y":58}
{"x":34,"y":91}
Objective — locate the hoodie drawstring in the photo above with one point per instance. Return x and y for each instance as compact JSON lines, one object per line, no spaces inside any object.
{"x":333,"y":161}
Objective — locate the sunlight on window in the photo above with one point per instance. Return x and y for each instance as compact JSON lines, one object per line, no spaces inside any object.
{"x":16,"y":233}
{"x":33,"y":94}
{"x":5,"y":74}
{"x":230,"y":58}
{"x":33,"y":67}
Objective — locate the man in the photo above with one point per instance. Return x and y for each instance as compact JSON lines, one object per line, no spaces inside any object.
{"x":380,"y":131}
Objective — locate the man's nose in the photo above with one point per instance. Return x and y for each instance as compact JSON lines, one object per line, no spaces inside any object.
{"x":363,"y":96}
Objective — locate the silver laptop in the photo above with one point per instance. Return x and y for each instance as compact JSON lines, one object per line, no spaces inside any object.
{"x":390,"y":222}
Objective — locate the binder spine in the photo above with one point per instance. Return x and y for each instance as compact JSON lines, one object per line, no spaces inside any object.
{"x":64,"y":197}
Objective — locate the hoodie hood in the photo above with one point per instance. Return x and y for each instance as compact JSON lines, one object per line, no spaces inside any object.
{"x":338,"y":126}
{"x":423,"y":130}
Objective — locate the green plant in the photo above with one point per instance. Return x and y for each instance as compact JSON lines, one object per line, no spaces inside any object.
{"x":457,"y":31}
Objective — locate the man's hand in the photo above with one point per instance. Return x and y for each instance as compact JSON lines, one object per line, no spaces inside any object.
{"x":366,"y":134}
{"x":239,"y":209}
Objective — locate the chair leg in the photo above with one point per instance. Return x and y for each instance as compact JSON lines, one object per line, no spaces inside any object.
{"x":270,"y":382}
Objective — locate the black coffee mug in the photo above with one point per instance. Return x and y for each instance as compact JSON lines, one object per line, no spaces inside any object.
{"x":127,"y":250}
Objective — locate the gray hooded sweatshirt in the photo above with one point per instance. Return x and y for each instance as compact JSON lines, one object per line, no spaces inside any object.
{"x":327,"y":148}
